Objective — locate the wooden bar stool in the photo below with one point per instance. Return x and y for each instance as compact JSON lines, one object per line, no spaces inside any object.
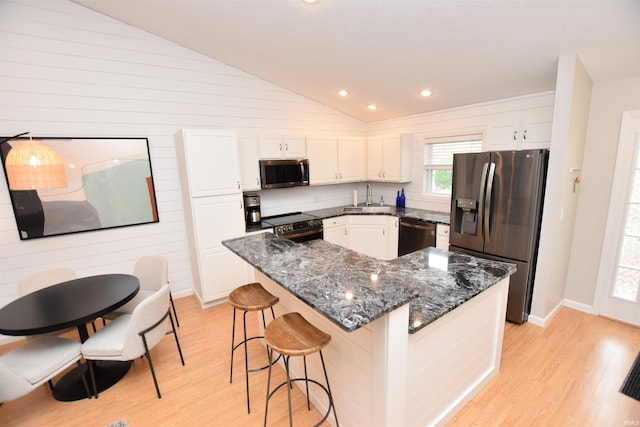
{"x":291,"y":335}
{"x":251,"y":297}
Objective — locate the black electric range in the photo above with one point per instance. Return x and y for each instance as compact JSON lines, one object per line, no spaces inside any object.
{"x":296,"y":226}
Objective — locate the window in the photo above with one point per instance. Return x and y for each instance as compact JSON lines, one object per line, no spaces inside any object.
{"x":438,"y":160}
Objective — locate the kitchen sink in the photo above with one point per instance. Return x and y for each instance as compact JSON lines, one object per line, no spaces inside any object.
{"x":367,"y":209}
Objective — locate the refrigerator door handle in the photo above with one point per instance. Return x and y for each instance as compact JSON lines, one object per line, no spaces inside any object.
{"x":483,"y":184}
{"x":487,"y":200}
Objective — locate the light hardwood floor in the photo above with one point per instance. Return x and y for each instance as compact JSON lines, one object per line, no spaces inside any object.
{"x":568,"y":373}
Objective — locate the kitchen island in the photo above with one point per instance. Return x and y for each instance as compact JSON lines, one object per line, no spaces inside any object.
{"x":413,"y":339}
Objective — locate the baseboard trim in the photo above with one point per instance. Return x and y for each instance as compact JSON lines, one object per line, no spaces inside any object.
{"x":578,"y":306}
{"x":542,"y":321}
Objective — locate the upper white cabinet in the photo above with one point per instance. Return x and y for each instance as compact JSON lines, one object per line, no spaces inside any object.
{"x":212,"y":159}
{"x":336,"y":160}
{"x":524,"y":130}
{"x":282,"y":147}
{"x":249,"y":162}
{"x":389,"y":158}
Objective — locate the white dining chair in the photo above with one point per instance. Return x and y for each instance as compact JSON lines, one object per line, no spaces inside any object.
{"x":25,"y":368}
{"x":133,"y":335}
{"x":153,"y":273}
{"x":44,"y":279}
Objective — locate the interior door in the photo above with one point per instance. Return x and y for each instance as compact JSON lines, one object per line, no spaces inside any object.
{"x":618,"y":288}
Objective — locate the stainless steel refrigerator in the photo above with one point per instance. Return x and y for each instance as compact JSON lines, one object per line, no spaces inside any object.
{"x":496,"y":209}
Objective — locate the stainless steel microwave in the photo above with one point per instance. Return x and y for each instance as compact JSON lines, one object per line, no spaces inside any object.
{"x":284,"y":173}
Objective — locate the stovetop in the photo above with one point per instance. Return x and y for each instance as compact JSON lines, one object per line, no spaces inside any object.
{"x":289,"y":218}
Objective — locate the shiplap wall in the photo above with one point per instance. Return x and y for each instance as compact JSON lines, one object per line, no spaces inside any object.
{"x":469,"y":119}
{"x":68,"y":71}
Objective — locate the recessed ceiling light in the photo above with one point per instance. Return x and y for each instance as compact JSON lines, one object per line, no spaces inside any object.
{"x":310,"y":1}
{"x":372,"y":107}
{"x":343,"y":92}
{"x":425,"y":92}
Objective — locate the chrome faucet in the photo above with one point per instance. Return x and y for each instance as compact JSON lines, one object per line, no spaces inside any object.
{"x":369,"y":201}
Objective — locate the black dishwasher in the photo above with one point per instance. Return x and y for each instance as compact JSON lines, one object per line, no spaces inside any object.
{"x":415,"y":235}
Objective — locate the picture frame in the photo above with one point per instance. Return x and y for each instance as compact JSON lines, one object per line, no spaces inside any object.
{"x":109,"y":185}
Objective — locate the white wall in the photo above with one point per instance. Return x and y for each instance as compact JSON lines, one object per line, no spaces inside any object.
{"x":68,"y":71}
{"x":456,"y":121}
{"x":608,"y":101}
{"x":573,"y":94}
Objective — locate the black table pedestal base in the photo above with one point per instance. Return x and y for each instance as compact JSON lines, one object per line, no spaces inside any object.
{"x":70,"y":387}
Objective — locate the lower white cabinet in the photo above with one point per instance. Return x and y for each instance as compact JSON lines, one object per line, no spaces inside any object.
{"x":373,"y":235}
{"x":335,"y":230}
{"x":442,"y":237}
{"x":218,"y":270}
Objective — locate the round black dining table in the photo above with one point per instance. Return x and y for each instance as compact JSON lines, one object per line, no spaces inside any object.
{"x":73,"y":303}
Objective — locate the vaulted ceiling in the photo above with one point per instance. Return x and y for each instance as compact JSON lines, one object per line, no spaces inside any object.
{"x":385,"y":51}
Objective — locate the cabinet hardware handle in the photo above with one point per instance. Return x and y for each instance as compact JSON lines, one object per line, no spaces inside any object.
{"x":345,"y":231}
{"x":257,"y":181}
{"x":280,"y":146}
{"x":340,"y":175}
{"x":238,"y":185}
{"x":286,"y":147}
{"x":379,"y":174}
{"x":524,"y":135}
{"x":384,"y":174}
{"x":515,"y":135}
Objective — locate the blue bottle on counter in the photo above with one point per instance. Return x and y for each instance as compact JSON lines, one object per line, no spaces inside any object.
{"x":402,"y":199}
{"x":398,"y":199}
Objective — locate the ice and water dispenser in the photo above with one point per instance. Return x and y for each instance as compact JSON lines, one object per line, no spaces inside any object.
{"x":466,"y":216}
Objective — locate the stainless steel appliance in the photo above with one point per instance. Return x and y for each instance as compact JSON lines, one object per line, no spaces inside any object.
{"x":496,"y":210}
{"x":252,"y":209}
{"x":297,"y":226}
{"x":284,"y":173}
{"x":415,"y":235}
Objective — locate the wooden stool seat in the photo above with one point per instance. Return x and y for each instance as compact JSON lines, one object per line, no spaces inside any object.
{"x":252,"y":297}
{"x":246,"y":298}
{"x":292,"y":335}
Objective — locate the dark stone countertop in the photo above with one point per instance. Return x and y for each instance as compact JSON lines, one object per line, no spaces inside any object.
{"x":352,"y":289}
{"x":420,"y":214}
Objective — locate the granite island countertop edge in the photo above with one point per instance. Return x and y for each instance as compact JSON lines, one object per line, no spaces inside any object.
{"x":358,"y":289}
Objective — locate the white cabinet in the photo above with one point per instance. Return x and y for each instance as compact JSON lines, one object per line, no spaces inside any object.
{"x":389,"y":158}
{"x":282,"y":147}
{"x":249,"y":162}
{"x":393,"y":230}
{"x":442,"y":237}
{"x":373,"y":235}
{"x":367,"y":235}
{"x":521,"y":131}
{"x":212,"y":158}
{"x":335,"y":230}
{"x":336,"y":160}
{"x":208,"y":166}
{"x":220,"y":270}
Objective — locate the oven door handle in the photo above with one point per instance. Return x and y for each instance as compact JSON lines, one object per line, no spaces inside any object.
{"x":302,"y":234}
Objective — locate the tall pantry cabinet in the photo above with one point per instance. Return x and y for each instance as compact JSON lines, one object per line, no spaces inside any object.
{"x":212,"y":197}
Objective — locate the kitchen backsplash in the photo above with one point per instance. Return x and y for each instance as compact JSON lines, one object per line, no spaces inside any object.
{"x":284,"y":200}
